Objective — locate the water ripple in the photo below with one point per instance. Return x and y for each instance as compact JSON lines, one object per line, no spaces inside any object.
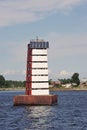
{"x":69,"y":114}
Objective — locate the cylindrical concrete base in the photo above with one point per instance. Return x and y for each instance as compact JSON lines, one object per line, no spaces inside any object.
{"x":35,"y":100}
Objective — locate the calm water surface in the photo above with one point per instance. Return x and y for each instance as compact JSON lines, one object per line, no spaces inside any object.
{"x":69,"y":114}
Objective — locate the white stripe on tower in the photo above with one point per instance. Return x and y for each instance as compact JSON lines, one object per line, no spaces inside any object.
{"x":39,"y":72}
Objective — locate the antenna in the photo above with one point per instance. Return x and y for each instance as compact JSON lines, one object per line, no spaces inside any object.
{"x":37,"y":38}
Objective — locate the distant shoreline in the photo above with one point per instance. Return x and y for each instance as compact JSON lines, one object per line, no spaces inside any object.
{"x":12,"y":89}
{"x":53,"y":89}
{"x":70,"y":89}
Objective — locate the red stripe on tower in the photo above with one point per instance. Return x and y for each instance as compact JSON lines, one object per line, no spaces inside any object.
{"x":29,"y":71}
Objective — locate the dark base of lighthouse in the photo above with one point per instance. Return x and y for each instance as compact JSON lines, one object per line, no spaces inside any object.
{"x":35,"y":100}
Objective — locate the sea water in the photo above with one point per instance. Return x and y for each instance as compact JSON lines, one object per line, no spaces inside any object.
{"x":70,"y":113}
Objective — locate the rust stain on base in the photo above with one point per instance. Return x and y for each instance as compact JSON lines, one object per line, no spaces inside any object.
{"x":35,"y":100}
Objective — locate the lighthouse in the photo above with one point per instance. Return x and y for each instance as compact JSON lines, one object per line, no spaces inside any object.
{"x":37,"y":87}
{"x":37,"y":68}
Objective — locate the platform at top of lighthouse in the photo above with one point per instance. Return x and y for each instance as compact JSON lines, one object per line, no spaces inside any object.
{"x":38,"y":44}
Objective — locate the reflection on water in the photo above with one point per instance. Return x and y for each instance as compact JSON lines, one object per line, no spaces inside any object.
{"x":39,"y":116}
{"x":69,"y":114}
{"x":38,"y":111}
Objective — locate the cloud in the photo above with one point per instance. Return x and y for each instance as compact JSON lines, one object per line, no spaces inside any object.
{"x":64,"y":73}
{"x":9,"y":72}
{"x":13,"y":72}
{"x":61,"y":74}
{"x":21,"y":11}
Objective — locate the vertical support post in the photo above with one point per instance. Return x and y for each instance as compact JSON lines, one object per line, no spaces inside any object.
{"x":29,"y":71}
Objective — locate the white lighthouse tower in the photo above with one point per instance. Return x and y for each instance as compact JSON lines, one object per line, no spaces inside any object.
{"x":37,"y":87}
{"x":37,"y":68}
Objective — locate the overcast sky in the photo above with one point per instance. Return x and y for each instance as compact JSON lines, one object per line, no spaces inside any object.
{"x":61,"y":22}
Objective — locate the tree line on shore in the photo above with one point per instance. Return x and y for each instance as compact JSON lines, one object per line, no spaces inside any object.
{"x":13,"y":84}
{"x":10,"y":83}
{"x":74,"y":81}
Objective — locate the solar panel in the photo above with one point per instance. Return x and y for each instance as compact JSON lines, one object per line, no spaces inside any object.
{"x":39,"y":45}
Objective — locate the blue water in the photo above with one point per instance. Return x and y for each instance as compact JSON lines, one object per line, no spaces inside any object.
{"x":70,"y":113}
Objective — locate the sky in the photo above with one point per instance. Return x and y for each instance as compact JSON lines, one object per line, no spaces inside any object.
{"x":61,"y":22}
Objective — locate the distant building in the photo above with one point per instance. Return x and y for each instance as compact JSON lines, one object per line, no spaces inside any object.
{"x":83,"y":82}
{"x":55,"y":83}
{"x":68,"y":85}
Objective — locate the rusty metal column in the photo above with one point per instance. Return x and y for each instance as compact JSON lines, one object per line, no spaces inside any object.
{"x":29,"y":71}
